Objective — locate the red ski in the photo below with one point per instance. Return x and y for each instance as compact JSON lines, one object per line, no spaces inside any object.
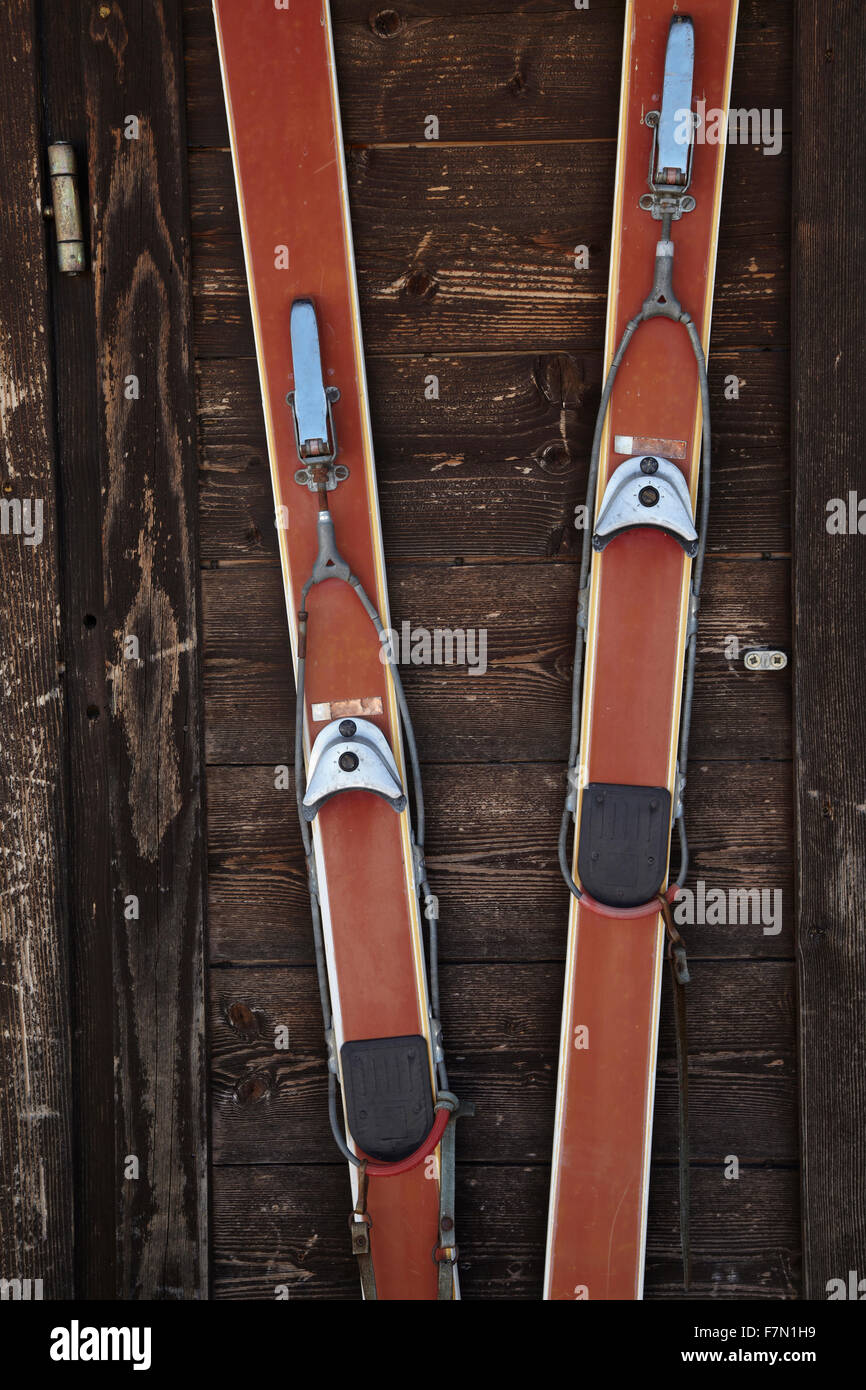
{"x":389,"y":1099}
{"x":639,"y":592}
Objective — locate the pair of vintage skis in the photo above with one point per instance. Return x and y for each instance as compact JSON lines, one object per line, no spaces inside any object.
{"x":358,"y":784}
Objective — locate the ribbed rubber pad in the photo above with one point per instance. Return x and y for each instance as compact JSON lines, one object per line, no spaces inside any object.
{"x":388,"y":1093}
{"x":623,"y":849}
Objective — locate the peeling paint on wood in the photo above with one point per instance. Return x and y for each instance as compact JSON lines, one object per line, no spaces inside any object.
{"x":35,"y":1118}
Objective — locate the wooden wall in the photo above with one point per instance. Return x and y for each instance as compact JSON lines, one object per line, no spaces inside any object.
{"x":36,"y":1225}
{"x":103,"y":1127}
{"x":465,"y":260}
{"x":829,"y":419}
{"x":465,"y":256}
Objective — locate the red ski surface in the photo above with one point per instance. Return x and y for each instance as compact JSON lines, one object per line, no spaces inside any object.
{"x":281,"y":96}
{"x":633,"y":684}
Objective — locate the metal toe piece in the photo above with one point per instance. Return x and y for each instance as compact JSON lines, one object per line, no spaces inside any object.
{"x":647,"y":491}
{"x":351,"y":755}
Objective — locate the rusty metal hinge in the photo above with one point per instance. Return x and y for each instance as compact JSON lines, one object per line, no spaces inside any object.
{"x":65,"y":210}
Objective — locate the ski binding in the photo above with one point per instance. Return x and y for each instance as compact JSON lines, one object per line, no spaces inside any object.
{"x":311,"y":405}
{"x":670,"y":167}
{"x":647,"y":492}
{"x":351,"y":755}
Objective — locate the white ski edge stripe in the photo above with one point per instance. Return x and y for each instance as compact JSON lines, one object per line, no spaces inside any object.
{"x":589,"y":672}
{"x":649,"y":1111}
{"x":381,"y":592}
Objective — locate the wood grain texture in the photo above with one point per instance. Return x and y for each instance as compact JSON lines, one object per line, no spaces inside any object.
{"x":491,"y":855}
{"x":91,"y":918}
{"x":132,"y":66}
{"x":490,"y":72}
{"x":501,"y":1025}
{"x":518,"y":709}
{"x":499,"y":457}
{"x":283,"y":1226}
{"x":829,"y":418}
{"x":36,"y":1227}
{"x":450,"y":261}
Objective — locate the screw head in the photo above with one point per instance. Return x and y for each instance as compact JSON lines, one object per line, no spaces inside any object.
{"x":649,"y":465}
{"x":348,"y":761}
{"x":648,"y":496}
{"x":348,"y":728}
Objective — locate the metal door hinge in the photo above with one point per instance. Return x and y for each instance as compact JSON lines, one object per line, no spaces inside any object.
{"x":65,"y":210}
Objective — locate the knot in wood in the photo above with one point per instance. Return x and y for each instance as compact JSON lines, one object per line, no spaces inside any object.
{"x":386,"y":23}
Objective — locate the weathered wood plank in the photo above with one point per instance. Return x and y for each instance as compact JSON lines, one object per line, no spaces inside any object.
{"x":488,"y":72}
{"x":491,"y":854}
{"x":36,"y":1225}
{"x":391,"y":189}
{"x":518,"y":709}
{"x":91,"y":916}
{"x":829,"y":418}
{"x":132,"y":64}
{"x":285,"y":1225}
{"x":449,"y":261}
{"x":501,"y":1025}
{"x":745,"y":1234}
{"x":498,"y":460}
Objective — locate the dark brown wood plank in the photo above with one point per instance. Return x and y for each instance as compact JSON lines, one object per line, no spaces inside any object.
{"x":284,"y":1228}
{"x":133,"y":65}
{"x":450,"y":261}
{"x":518,"y":710}
{"x":36,"y":1226}
{"x":501,"y":1025}
{"x":90,"y":905}
{"x":829,"y":419}
{"x":745,"y":1234}
{"x":491,"y":854}
{"x":455,"y":188}
{"x":499,"y":459}
{"x":488,"y":71}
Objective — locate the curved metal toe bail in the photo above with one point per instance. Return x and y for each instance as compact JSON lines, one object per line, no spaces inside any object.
{"x":351,"y":755}
{"x":647,"y":491}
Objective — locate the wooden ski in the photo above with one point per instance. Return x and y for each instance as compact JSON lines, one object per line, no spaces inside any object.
{"x":639,"y":595}
{"x":390,"y":1105}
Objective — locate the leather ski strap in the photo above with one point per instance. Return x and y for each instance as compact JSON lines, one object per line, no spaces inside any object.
{"x":360,"y":1226}
{"x":445,"y":1253}
{"x":679,"y":976}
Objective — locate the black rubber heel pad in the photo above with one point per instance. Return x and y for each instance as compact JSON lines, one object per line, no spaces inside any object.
{"x":622,"y":854}
{"x":389,"y":1094}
